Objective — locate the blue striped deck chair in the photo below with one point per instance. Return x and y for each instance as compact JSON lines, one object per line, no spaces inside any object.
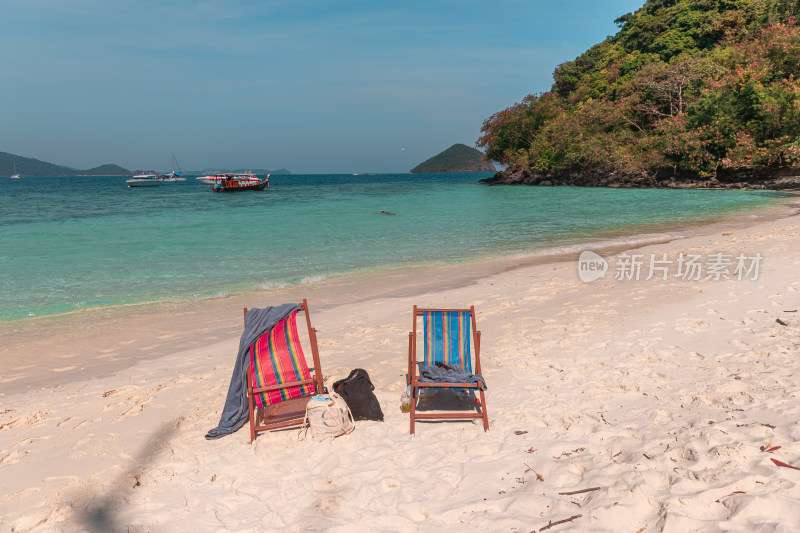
{"x":451,"y":337}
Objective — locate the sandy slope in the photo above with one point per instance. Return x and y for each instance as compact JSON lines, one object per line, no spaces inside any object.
{"x":658,"y":393}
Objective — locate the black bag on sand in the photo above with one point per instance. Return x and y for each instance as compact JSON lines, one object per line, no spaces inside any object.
{"x":356,"y":389}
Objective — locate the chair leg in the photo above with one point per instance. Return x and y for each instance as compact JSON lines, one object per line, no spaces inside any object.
{"x":410,"y":358}
{"x":413,"y":401}
{"x":483,"y":410}
{"x":252,"y":416}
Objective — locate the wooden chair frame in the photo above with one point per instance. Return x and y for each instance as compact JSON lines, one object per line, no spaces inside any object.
{"x":415,"y":381}
{"x":291,"y":412}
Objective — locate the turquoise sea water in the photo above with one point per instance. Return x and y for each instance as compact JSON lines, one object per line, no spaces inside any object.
{"x":71,"y":243}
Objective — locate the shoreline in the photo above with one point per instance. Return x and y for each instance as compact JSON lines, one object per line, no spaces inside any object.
{"x":108,"y":333}
{"x":661,"y":393}
{"x":785,"y":179}
{"x":195,"y":270}
{"x":630,"y":235}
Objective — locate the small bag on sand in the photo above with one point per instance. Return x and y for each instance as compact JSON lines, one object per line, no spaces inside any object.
{"x":357,"y":390}
{"x":327,"y":416}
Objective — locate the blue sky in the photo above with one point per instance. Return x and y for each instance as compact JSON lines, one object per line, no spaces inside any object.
{"x":313,"y":86}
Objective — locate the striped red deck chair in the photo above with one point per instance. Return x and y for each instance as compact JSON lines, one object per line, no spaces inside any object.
{"x":279,"y":382}
{"x":446,"y":339}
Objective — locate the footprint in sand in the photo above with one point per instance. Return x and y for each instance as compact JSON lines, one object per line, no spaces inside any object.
{"x":133,"y":411}
{"x":113,"y":392}
{"x":64,"y":422}
{"x":186,"y":379}
{"x":12,"y":457}
{"x":137,"y":408}
{"x":29,"y":420}
{"x":692,"y":326}
{"x":110,"y":406}
{"x":147,"y":348}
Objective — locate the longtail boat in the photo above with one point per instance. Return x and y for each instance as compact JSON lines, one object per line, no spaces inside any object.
{"x":230,"y":182}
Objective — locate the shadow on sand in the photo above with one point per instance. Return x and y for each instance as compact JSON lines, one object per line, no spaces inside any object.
{"x":99,"y":512}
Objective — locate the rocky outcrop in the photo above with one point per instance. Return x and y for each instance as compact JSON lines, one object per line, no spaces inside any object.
{"x":781,"y":179}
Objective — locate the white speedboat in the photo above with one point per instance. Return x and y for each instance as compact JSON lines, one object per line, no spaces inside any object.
{"x":143,"y":180}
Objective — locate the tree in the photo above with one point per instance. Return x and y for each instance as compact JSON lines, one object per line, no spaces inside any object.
{"x":695,"y":86}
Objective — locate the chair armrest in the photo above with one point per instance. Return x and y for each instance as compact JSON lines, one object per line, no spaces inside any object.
{"x":282,"y":386}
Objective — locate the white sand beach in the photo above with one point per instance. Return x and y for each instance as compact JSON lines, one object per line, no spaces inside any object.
{"x":658,"y":395}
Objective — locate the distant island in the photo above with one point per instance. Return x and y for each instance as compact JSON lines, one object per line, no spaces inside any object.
{"x":105,"y":170}
{"x":457,"y":158}
{"x":27,"y":166}
{"x":688,"y":93}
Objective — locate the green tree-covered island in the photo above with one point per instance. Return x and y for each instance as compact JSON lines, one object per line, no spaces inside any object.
{"x":457,"y":158}
{"x":27,"y":166}
{"x":688,"y":93}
